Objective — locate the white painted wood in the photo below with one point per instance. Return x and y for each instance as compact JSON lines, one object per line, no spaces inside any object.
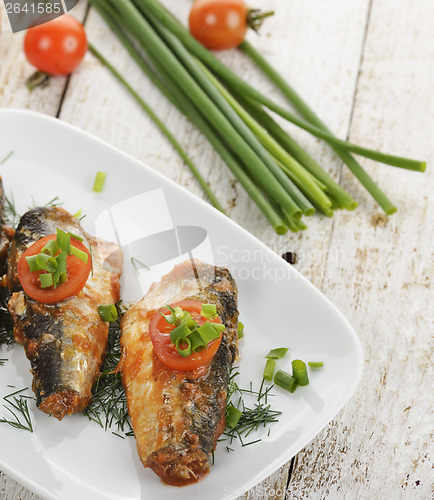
{"x":380,"y":277}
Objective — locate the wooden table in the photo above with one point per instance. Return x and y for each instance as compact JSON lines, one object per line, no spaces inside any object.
{"x":367,"y":68}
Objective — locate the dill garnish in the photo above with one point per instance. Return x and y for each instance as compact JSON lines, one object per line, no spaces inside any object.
{"x":19,"y":404}
{"x":6,"y":324}
{"x":251,"y":419}
{"x":108,"y":406}
{"x":11,"y":215}
{"x":6,"y":157}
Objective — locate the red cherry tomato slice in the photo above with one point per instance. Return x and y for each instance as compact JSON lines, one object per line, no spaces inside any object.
{"x":218,"y":24}
{"x":77,"y":274}
{"x":56,"y":47}
{"x":165,"y":350}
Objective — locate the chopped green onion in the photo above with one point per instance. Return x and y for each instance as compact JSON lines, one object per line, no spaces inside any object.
{"x":79,"y":254}
{"x":42,"y":260}
{"x":99,"y":182}
{"x":218,"y":327}
{"x":278,"y":353}
{"x":180,"y":331}
{"x":108,"y":312}
{"x":270,"y":366}
{"x":51,"y":265}
{"x":208,"y":311}
{"x":299,"y":371}
{"x":208,"y":332}
{"x":33,"y":264}
{"x":64,"y":241}
{"x":285,"y":380}
{"x":315,"y":364}
{"x":59,"y":275}
{"x":197,"y":342}
{"x":232,"y":415}
{"x":179,"y":313}
{"x":51,"y":248}
{"x":76,"y":236}
{"x":46,"y":280}
{"x":181,"y":341}
{"x":78,"y":213}
{"x":240,"y":330}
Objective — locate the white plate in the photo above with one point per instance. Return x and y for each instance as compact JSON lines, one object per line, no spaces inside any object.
{"x":77,"y":459}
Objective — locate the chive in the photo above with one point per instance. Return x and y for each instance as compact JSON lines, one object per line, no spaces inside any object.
{"x":299,"y":371}
{"x":99,"y":182}
{"x":218,"y":327}
{"x":180,"y":331}
{"x":63,"y":240}
{"x":197,"y":342}
{"x":32,"y":261}
{"x":208,"y":310}
{"x":181,"y":341}
{"x":163,"y":129}
{"x":83,"y":256}
{"x":42,"y":261}
{"x":208,"y":332}
{"x":315,"y":364}
{"x":76,"y":236}
{"x":232,"y":415}
{"x":51,"y":248}
{"x":285,"y":380}
{"x":240,"y":330}
{"x":270,"y":366}
{"x":51,"y":265}
{"x":46,"y":280}
{"x":108,"y":312}
{"x":59,"y":275}
{"x":278,"y":353}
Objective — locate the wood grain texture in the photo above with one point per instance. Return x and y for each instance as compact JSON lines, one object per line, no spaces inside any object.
{"x":366,"y":67}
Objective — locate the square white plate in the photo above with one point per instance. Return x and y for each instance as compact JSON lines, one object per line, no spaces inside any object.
{"x":77,"y":459}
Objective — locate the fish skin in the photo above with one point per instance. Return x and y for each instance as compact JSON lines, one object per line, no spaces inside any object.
{"x":177,"y":416}
{"x":65,"y":342}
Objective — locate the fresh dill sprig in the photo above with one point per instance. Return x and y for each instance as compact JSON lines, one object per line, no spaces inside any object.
{"x":108,"y":406}
{"x":250,"y":419}
{"x":7,"y":157}
{"x":11,"y":215}
{"x":6,"y":324}
{"x":19,"y":409}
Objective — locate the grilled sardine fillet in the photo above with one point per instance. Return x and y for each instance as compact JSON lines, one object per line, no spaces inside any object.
{"x":65,"y":342}
{"x":178,"y":416}
{"x":6,"y":233}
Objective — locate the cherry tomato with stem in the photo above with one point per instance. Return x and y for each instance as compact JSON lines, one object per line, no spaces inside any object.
{"x":56,"y":47}
{"x":222,"y":24}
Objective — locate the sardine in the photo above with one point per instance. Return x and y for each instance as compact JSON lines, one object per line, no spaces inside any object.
{"x":6,"y":233}
{"x":178,"y":416}
{"x":65,"y":342}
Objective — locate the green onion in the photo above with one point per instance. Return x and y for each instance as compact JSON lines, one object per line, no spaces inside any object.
{"x":42,"y":261}
{"x":299,"y":371}
{"x":76,"y":236}
{"x":218,"y":327}
{"x":208,"y":311}
{"x":180,"y":331}
{"x":83,"y":256}
{"x":51,"y":247}
{"x":108,"y":312}
{"x":64,"y":241}
{"x":32,"y":261}
{"x":315,"y":364}
{"x":99,"y":182}
{"x":170,"y":318}
{"x":240,"y":330}
{"x":197,"y":342}
{"x":270,"y":366}
{"x":278,"y":353}
{"x":285,"y":380}
{"x":181,"y":341}
{"x":46,"y":280}
{"x":232,"y":415}
{"x":208,"y":332}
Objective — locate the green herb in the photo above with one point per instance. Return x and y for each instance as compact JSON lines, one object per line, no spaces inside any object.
{"x":251,"y":419}
{"x":108,"y":312}
{"x":137,"y":264}
{"x":299,"y":371}
{"x":270,"y":366}
{"x":19,"y":409}
{"x":285,"y":380}
{"x":315,"y":364}
{"x":278,"y":353}
{"x":99,"y":182}
{"x":209,"y":311}
{"x":6,"y":324}
{"x":12,"y":217}
{"x":6,"y":157}
{"x":240,"y":330}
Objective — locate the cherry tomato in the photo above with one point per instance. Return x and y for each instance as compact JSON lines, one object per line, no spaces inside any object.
{"x":56,"y":47}
{"x":77,"y":274}
{"x":219,"y":24}
{"x":159,"y":331}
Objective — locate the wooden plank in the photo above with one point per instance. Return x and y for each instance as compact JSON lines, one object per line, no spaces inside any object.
{"x":14,"y":70}
{"x":380,"y":445}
